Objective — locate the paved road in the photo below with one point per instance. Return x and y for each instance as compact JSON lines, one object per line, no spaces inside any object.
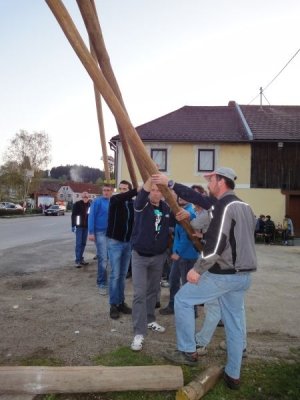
{"x":27,"y":230}
{"x":37,"y":243}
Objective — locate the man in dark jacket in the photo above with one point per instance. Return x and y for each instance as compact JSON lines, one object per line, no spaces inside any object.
{"x":149,"y":241}
{"x":119,"y":228}
{"x":79,"y":220}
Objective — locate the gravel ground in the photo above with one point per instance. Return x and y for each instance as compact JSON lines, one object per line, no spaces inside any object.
{"x":58,"y":313}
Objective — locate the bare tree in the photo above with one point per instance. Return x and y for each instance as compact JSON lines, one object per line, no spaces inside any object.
{"x":29,"y":151}
{"x":25,"y":158}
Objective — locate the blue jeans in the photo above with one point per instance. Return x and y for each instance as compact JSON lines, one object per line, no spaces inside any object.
{"x":212,"y":317}
{"x":81,"y":238}
{"x":101,"y":245}
{"x":119,"y":254}
{"x":179,"y":270}
{"x":230,"y":290}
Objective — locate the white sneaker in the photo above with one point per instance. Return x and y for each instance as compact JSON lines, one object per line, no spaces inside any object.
{"x":201,"y":350}
{"x":155,"y":327}
{"x":223,"y":346}
{"x":137,"y":343}
{"x":103,"y":291}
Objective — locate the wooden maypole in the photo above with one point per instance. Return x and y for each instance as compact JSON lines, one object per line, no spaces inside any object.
{"x":144,"y":162}
{"x":101,"y":125}
{"x":90,"y":17}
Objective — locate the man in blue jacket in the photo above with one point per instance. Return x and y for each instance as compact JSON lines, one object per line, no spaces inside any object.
{"x":184,"y":256}
{"x":97,"y":225}
{"x":119,"y":229}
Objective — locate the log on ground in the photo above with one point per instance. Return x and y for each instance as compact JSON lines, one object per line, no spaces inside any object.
{"x":43,"y":380}
{"x":197,"y":388}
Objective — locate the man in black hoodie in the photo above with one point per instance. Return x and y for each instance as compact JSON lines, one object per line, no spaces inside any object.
{"x":119,"y":228}
{"x":79,"y":220}
{"x":149,"y":243}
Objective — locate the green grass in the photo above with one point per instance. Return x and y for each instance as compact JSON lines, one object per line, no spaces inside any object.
{"x":36,"y":361}
{"x":260,"y":380}
{"x":123,"y":356}
{"x":263,"y":381}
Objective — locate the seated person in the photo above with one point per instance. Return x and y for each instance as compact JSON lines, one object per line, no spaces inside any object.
{"x":269,"y":230}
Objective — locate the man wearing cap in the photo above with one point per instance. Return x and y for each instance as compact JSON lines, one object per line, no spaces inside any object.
{"x":222,"y":273}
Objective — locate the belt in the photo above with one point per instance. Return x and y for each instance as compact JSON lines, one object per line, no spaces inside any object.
{"x":245,"y":270}
{"x":144,"y":254}
{"x":216,"y":269}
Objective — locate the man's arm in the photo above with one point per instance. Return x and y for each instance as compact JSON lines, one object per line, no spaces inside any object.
{"x":73,"y":215}
{"x":122,"y":197}
{"x":216,"y":239}
{"x":91,"y":221}
{"x":142,"y":197}
{"x":185,"y":192}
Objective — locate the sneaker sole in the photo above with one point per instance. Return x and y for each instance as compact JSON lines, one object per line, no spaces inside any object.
{"x":135,"y":349}
{"x":201,"y":352}
{"x":159,"y":330}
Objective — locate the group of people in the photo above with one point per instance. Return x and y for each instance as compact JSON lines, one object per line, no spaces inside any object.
{"x":138,"y":230}
{"x":266,"y":227}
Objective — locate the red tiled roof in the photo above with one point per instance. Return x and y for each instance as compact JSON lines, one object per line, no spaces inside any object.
{"x":79,"y":187}
{"x":195,"y":124}
{"x":273,"y":122}
{"x":47,"y":187}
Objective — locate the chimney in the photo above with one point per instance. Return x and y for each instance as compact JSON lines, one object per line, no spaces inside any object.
{"x":231,"y":103}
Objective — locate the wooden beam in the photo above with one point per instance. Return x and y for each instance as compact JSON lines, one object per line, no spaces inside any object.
{"x":42,"y":380}
{"x":144,"y":162}
{"x":101,"y":125}
{"x":90,"y":17}
{"x":197,"y":388}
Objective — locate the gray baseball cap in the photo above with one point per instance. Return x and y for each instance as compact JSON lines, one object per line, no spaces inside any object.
{"x":223,"y":171}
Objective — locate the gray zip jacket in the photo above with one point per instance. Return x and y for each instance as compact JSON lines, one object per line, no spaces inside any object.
{"x":229,"y":241}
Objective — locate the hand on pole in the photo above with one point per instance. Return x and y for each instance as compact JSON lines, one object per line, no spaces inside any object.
{"x":182,"y":214}
{"x":160,"y":179}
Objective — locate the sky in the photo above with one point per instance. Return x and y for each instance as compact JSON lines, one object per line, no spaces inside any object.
{"x":165,"y":54}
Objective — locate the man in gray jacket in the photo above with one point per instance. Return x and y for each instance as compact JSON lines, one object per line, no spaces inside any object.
{"x":223,"y":273}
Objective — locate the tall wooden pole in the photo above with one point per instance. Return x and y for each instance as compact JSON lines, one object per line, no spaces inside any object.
{"x":101,"y":125}
{"x":90,"y":18}
{"x":144,"y":162}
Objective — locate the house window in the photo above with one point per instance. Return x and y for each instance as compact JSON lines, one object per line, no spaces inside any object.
{"x":160,"y":157}
{"x":206,"y":160}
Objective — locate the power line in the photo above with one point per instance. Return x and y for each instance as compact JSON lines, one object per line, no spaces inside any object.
{"x":275,"y":77}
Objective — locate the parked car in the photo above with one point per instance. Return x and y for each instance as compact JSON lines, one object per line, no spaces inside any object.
{"x":7,"y":205}
{"x":54,"y":210}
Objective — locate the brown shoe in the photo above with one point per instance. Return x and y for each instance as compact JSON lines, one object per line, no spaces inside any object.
{"x":232,"y":383}
{"x":182,"y":357}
